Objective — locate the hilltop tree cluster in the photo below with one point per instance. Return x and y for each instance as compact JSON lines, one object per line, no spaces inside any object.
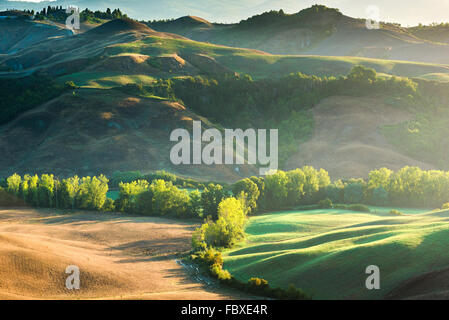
{"x":318,"y":17}
{"x":58,"y":14}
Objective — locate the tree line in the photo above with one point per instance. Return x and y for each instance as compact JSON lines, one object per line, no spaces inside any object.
{"x":163,"y":193}
{"x":130,"y":176}
{"x":58,"y":14}
{"x":225,"y":208}
{"x":48,"y":191}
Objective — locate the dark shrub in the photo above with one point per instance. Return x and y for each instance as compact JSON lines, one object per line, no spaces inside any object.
{"x":9,"y":200}
{"x":326,"y":204}
{"x":358,"y":208}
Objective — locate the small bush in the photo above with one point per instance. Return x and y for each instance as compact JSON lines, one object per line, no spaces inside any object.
{"x":395,"y":212}
{"x":358,"y":208}
{"x":445,"y":206}
{"x":212,"y":256}
{"x":293,"y":293}
{"x":326,"y":204}
{"x":353,"y":207}
{"x":212,"y":259}
{"x":108,"y":205}
{"x":70,"y":85}
{"x":258,"y":283}
{"x":219,"y":273}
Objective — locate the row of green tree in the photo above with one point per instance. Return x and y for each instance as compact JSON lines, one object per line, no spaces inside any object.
{"x":130,"y":176}
{"x":407,"y":187}
{"x":47,"y":191}
{"x":158,"y":194}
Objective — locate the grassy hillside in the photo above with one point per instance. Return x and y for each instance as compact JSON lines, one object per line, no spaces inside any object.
{"x":124,"y":56}
{"x":434,"y":32}
{"x":317,"y":30}
{"x":93,"y":130}
{"x":325,"y":252}
{"x":121,"y":37}
{"x":262,"y":65}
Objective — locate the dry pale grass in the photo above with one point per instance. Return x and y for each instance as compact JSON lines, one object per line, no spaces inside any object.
{"x":119,"y":257}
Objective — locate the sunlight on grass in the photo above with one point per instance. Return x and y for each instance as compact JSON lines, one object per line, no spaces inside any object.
{"x":326,"y":251}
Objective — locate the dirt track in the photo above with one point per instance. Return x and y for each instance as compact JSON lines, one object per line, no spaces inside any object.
{"x":120,"y":257}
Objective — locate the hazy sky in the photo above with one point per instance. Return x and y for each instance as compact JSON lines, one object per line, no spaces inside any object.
{"x":406,"y":12}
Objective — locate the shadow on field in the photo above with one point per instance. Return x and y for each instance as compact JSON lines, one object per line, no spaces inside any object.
{"x":152,"y":250}
{"x":49,"y":216}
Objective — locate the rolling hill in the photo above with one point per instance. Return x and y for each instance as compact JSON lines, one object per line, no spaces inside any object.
{"x":326,"y":252}
{"x":130,"y":127}
{"x":315,"y":31}
{"x":18,"y":32}
{"x":123,"y":36}
{"x":343,"y":98}
{"x":91,"y":131}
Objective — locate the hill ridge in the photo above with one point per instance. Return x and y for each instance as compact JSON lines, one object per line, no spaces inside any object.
{"x":119,"y":26}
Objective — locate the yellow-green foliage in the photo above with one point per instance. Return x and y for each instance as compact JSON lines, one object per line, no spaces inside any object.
{"x":49,"y":192}
{"x":250,"y":192}
{"x":226,"y":231}
{"x":46,"y":191}
{"x":168,"y":199}
{"x":285,"y":189}
{"x":258,"y":282}
{"x":158,"y":198}
{"x":92,"y":192}
{"x":69,"y":191}
{"x":218,"y":272}
{"x":128,"y":193}
{"x":395,"y":212}
{"x":14,"y":183}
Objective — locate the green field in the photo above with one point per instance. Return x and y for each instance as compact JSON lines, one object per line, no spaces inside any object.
{"x":325,"y":252}
{"x":261,"y":65}
{"x":105,"y":80}
{"x":441,"y":77}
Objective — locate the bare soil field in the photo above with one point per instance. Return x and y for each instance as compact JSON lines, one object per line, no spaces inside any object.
{"x":119,"y":257}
